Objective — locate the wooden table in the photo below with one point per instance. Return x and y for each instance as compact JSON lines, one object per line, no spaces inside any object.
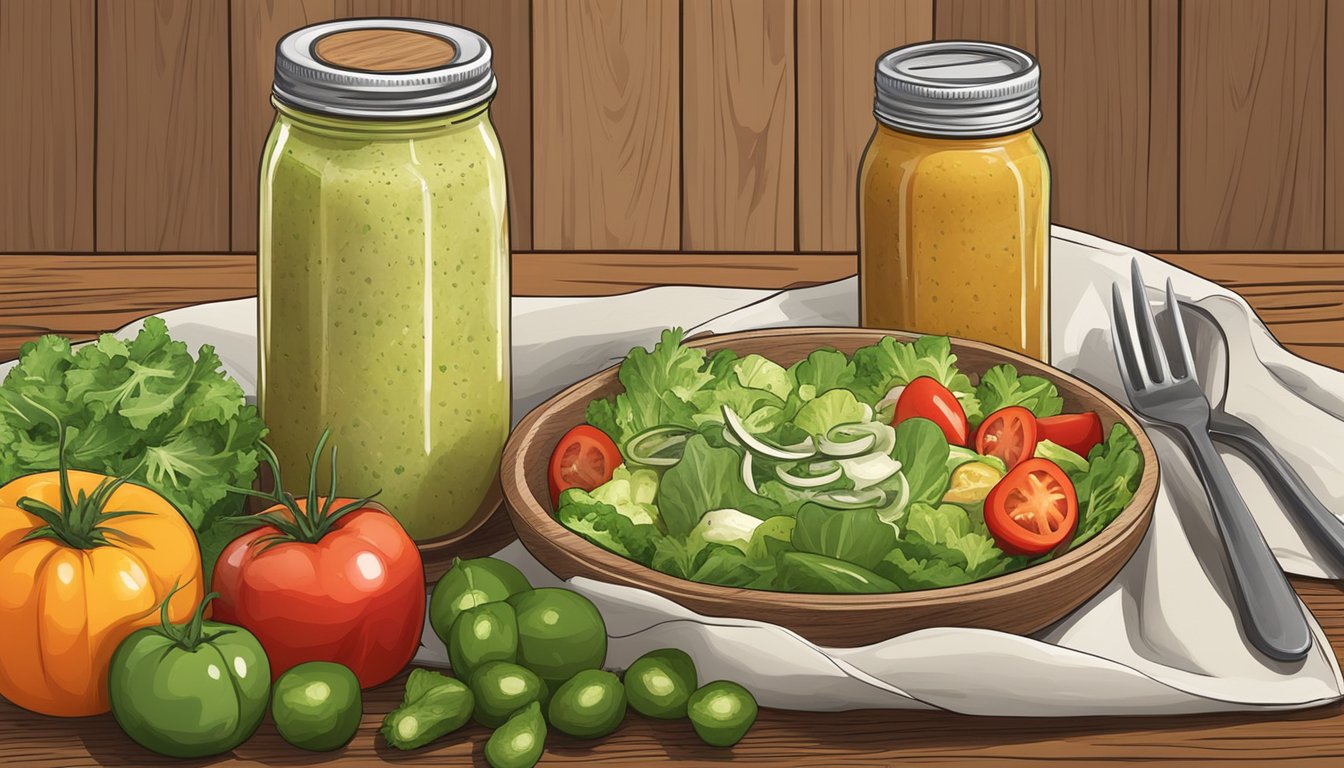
{"x":1300,"y":297}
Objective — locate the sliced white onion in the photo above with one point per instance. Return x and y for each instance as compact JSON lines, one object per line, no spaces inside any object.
{"x":812,"y":481}
{"x":845,"y":499}
{"x":892,"y":512}
{"x":862,"y":443}
{"x":748,"y":478}
{"x":869,"y":469}
{"x":734,"y":424}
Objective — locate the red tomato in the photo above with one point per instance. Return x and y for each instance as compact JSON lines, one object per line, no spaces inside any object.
{"x":925,"y":398}
{"x":339,"y":582}
{"x":1076,"y":431}
{"x":584,"y":458}
{"x":1033,"y":509}
{"x":1008,"y":433}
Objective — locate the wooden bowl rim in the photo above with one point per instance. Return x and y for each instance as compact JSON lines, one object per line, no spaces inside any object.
{"x":526,"y":506}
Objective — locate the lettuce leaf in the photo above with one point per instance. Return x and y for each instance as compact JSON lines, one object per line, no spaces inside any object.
{"x":1002,"y":386}
{"x":943,"y":546}
{"x":891,"y":363}
{"x":632,"y":494}
{"x":923,"y":452}
{"x":838,"y":406}
{"x":602,"y":524}
{"x":821,"y":372}
{"x":855,"y":535}
{"x":706,"y":479}
{"x":1112,"y":477}
{"x":661,"y":387}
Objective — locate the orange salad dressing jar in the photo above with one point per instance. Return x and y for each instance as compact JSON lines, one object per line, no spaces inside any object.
{"x":954,"y":197}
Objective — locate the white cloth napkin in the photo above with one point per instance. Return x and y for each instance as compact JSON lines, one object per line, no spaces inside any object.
{"x":1163,"y":637}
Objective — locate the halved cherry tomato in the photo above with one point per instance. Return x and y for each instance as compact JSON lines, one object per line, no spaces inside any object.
{"x":1076,"y":431}
{"x":1008,"y":433}
{"x":584,"y":458}
{"x":925,"y":398}
{"x":1033,"y":509}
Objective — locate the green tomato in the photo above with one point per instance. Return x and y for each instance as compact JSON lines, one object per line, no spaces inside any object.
{"x":660,"y":683}
{"x":589,"y":705}
{"x":502,"y":688}
{"x":470,"y":583}
{"x":482,"y":634}
{"x":722,"y":713}
{"x":189,"y":695}
{"x":518,"y":742}
{"x":560,"y":633}
{"x":317,"y":706}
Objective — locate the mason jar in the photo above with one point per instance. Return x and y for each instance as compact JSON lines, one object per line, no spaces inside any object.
{"x":954,"y":197}
{"x":383,"y":266}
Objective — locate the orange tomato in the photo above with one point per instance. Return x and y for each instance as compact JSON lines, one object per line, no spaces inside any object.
{"x":66,"y":605}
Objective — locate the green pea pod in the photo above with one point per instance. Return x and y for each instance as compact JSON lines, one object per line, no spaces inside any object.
{"x":518,"y":743}
{"x":589,"y":706}
{"x":470,"y":583}
{"x":433,"y":705}
{"x":721,"y":712}
{"x":660,"y":683}
{"x":190,"y":690}
{"x":480,"y":635}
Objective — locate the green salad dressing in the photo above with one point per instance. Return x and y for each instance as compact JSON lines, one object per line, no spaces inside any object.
{"x":384,"y":298}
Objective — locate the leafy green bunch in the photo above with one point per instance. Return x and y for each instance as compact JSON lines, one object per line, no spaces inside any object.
{"x":144,"y":410}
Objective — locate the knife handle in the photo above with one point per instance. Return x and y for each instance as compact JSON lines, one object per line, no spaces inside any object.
{"x":1287,"y":484}
{"x":1269,"y":607}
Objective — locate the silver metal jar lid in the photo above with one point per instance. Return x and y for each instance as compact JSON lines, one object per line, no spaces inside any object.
{"x":457,"y":75}
{"x":958,"y":89}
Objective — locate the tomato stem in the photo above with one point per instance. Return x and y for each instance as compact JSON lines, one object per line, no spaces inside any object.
{"x":79,"y":522}
{"x":186,"y":636}
{"x":306,"y":523}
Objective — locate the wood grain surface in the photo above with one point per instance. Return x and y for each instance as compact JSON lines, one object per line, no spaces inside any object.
{"x":46,"y":136}
{"x":255,"y":26}
{"x":669,"y":125}
{"x":86,"y":294}
{"x":737,"y":117}
{"x":606,"y":125}
{"x":1252,"y":124}
{"x":604,"y":274}
{"x":1107,"y":101}
{"x":838,"y":45}
{"x":1334,"y":124}
{"x":163,"y":117}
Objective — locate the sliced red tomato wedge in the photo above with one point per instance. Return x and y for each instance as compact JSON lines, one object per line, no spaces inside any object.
{"x":926,"y":398}
{"x":584,"y":458}
{"x":1033,"y":509}
{"x":1009,"y":434}
{"x":1078,"y":432}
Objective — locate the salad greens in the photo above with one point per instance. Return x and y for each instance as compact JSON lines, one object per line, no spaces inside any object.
{"x":146,"y":410}
{"x":741,"y":472}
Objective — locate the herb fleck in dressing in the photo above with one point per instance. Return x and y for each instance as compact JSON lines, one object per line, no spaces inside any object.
{"x":385,"y":300}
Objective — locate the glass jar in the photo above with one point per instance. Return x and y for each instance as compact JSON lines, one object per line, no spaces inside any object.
{"x":954,"y":198}
{"x":383,"y":274}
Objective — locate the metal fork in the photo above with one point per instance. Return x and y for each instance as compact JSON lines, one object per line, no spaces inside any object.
{"x":1268,"y":605}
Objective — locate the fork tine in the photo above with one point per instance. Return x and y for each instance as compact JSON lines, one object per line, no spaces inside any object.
{"x":1149,"y":341}
{"x":1174,"y":309}
{"x":1124,"y":346}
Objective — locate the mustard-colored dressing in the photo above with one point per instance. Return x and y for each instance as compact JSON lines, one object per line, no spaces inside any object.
{"x":954,"y":238}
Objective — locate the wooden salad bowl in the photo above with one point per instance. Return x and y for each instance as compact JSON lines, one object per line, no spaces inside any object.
{"x":1020,"y":602}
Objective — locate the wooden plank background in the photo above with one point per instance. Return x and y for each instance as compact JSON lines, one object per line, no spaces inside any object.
{"x":688,"y":125}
